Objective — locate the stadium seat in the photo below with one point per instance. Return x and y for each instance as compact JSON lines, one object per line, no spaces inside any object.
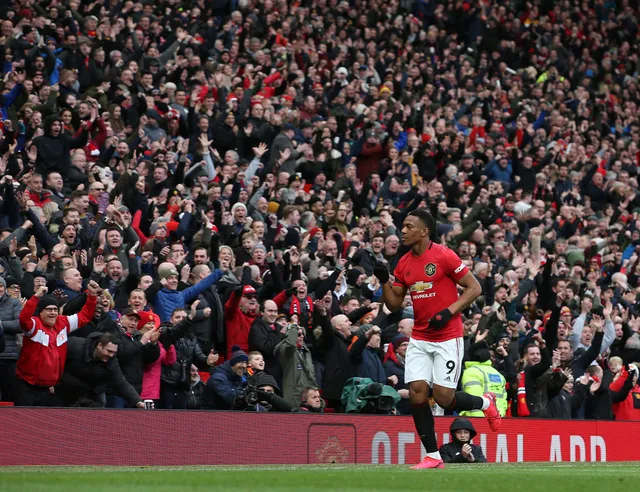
{"x":204,"y":376}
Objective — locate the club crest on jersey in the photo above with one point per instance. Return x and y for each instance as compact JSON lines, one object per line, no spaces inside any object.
{"x":430,"y":269}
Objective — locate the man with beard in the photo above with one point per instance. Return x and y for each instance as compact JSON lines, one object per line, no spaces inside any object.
{"x":110,"y":276}
{"x":44,"y":350}
{"x":54,"y":147}
{"x":366,"y":257}
{"x":224,"y":388}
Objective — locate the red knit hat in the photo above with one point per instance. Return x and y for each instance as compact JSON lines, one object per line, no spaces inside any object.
{"x":148,"y":317}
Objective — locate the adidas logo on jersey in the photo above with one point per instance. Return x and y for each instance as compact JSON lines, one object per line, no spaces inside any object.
{"x":448,"y":378}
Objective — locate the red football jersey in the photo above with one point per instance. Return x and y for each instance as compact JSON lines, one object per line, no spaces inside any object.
{"x":431,"y":278}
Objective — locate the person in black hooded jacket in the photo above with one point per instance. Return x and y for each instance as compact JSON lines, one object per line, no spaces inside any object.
{"x":54,"y":147}
{"x":269,"y":394}
{"x":460,"y":449}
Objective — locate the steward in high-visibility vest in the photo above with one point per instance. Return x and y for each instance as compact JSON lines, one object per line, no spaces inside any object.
{"x":480,"y":377}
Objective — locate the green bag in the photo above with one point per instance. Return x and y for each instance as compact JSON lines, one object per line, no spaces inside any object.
{"x":362,"y":395}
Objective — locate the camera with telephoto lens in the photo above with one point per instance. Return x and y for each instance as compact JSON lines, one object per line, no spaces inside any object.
{"x":378,"y":404}
{"x":247,"y":398}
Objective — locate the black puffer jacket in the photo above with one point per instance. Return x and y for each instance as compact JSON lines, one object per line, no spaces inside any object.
{"x":188,"y":352}
{"x":9,"y":311}
{"x":85,"y":377}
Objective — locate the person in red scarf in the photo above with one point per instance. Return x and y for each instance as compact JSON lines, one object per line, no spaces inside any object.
{"x":537,"y":362}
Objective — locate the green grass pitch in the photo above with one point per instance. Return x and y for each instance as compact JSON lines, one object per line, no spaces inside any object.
{"x":530,"y":477}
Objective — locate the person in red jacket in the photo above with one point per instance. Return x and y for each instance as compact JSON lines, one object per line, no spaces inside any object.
{"x":44,"y":349}
{"x":240,"y":311}
{"x":629,"y":408}
{"x":368,"y":161}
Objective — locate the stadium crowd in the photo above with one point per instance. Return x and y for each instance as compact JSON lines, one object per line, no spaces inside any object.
{"x":208,"y":185}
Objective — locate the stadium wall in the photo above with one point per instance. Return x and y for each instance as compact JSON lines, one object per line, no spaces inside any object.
{"x":36,"y":436}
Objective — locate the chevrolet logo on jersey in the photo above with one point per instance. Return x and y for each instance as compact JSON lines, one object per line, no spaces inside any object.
{"x":421,"y":286}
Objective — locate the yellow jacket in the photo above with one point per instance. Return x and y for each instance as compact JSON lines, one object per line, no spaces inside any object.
{"x":480,"y":378}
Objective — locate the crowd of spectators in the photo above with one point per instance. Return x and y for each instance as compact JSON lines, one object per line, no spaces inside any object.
{"x":206,"y":187}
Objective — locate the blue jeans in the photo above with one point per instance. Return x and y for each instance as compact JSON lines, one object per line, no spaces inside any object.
{"x":115,"y":401}
{"x":172,"y":398}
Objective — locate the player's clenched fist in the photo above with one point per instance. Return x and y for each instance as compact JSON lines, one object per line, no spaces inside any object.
{"x":440,"y":320}
{"x":381,"y":272}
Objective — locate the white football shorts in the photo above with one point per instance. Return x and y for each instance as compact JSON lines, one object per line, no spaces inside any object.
{"x":434,"y":362}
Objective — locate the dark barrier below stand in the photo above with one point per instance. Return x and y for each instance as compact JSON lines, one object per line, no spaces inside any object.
{"x":37,"y":436}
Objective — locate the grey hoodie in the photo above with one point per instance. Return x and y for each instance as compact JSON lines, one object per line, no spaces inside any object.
{"x":9,"y":312}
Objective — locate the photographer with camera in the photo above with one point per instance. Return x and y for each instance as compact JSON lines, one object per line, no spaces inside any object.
{"x":267,"y":395}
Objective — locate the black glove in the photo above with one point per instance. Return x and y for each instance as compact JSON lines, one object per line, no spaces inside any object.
{"x":381,"y":272}
{"x":440,"y":320}
{"x":292,"y":291}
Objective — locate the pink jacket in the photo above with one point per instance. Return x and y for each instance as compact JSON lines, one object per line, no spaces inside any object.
{"x":152,"y":372}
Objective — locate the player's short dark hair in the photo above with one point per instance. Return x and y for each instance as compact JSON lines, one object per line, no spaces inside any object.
{"x":426,"y":218}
